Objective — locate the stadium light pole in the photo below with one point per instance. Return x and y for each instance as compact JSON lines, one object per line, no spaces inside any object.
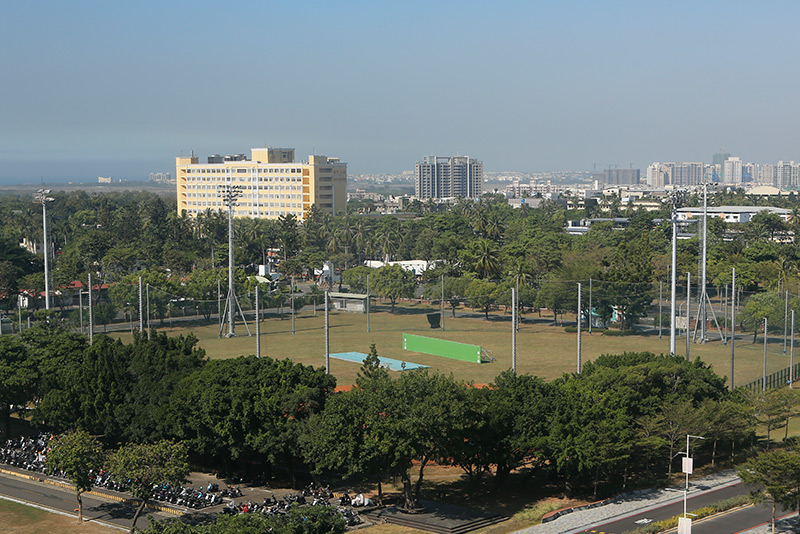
{"x":513,"y":331}
{"x":791,"y":355}
{"x":327,"y":338}
{"x":675,"y":199}
{"x":764,"y":369}
{"x":733,"y":322}
{"x":258,"y":327}
{"x":579,"y":328}
{"x":91,"y":317}
{"x":41,"y":196}
{"x":230,"y":194}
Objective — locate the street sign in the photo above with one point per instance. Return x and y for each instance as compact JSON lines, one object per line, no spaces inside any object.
{"x":687,"y":465}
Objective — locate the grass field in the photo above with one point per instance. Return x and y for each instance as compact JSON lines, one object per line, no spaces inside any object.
{"x":18,"y":518}
{"x":542,"y":349}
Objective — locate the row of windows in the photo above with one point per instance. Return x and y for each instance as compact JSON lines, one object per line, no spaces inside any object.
{"x":252,"y":205}
{"x":262,"y":170}
{"x":218,"y":179}
{"x":199,"y":187}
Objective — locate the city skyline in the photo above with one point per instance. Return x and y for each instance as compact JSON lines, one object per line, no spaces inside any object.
{"x":99,"y":89}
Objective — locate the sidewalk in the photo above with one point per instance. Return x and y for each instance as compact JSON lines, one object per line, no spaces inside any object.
{"x":628,"y":504}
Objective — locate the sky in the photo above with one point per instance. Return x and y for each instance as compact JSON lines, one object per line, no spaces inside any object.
{"x":99,"y":88}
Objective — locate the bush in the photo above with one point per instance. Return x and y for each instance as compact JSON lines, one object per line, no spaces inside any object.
{"x":610,"y":332}
{"x":533,"y":514}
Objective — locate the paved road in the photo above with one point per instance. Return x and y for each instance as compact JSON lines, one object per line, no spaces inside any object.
{"x":109,"y":511}
{"x":730,"y":522}
{"x":666,"y":511}
{"x":738,"y":520}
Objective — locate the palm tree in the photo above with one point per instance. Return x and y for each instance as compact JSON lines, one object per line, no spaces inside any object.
{"x":494,"y":227}
{"x":487,"y":264}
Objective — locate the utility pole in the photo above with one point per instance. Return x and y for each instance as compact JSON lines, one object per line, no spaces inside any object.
{"x":688,"y":314}
{"x":733,"y":322}
{"x":219,"y":307}
{"x":764,"y":371}
{"x":513,"y":331}
{"x":589,"y":317}
{"x":258,"y":327}
{"x":516,"y":322}
{"x":442,"y":303}
{"x":41,"y":196}
{"x":579,"y":328}
{"x":791,"y":356}
{"x":660,"y":313}
{"x":368,"y":304}
{"x":80,"y":307}
{"x":147,"y":288}
{"x":141,"y":309}
{"x":672,"y":318}
{"x":785,"y":319}
{"x":91,"y":321}
{"x":725,"y":317}
{"x":291,"y":292}
{"x":327,"y":338}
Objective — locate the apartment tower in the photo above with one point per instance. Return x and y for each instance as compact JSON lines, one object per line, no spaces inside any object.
{"x":448,"y":177}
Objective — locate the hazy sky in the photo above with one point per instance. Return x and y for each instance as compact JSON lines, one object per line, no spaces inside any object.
{"x":94,"y":88}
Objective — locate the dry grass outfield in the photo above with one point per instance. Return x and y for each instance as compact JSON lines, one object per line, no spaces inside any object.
{"x":17,"y":518}
{"x":542,"y":349}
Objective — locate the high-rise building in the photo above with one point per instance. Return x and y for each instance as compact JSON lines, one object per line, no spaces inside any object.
{"x":732,"y":171}
{"x":617,"y":176}
{"x":787,"y":174}
{"x":684,"y":173}
{"x":448,"y":177}
{"x":272,"y":183}
{"x":720,"y":157}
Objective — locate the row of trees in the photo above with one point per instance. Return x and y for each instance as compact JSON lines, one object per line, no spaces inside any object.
{"x":621,"y":420}
{"x":114,"y":235}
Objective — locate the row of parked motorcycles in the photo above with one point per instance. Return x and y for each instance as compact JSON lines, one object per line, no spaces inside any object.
{"x":31,"y":454}
{"x":316,"y":497}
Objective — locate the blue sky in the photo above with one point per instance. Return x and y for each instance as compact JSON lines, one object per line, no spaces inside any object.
{"x":94,"y":88}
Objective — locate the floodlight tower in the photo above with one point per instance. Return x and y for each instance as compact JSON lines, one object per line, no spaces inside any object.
{"x":230,"y":195}
{"x":676,"y":197}
{"x":41,"y":196}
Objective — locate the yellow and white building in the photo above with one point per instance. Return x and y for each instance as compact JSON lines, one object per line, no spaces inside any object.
{"x":272,"y":183}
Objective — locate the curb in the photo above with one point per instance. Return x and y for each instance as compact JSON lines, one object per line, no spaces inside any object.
{"x":102,"y":495}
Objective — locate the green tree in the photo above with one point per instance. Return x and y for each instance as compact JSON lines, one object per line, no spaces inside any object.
{"x":393,"y":282}
{"x":78,"y":455}
{"x":759,"y":306}
{"x":104,"y":313}
{"x":777,"y":474}
{"x":356,"y":278}
{"x":18,"y":377}
{"x":145,"y":465}
{"x":482,"y":294}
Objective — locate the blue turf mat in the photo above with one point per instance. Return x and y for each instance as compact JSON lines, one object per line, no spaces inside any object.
{"x":388,"y":363}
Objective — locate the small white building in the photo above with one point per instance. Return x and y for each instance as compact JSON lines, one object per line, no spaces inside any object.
{"x":733,"y":214}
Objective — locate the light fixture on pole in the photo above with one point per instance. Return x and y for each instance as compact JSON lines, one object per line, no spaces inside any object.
{"x":230,"y":194}
{"x":685,"y":523}
{"x":41,"y":197}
